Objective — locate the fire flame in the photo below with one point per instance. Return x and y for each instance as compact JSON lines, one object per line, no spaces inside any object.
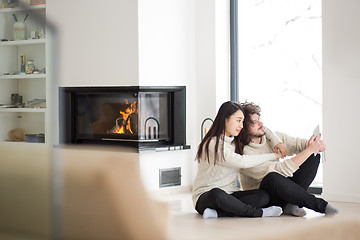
{"x":132,"y":109}
{"x":120,"y":130}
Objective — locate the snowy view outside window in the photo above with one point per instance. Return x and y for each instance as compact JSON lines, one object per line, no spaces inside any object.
{"x":280,"y":50}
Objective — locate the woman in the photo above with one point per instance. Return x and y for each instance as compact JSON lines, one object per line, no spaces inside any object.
{"x":215,"y":191}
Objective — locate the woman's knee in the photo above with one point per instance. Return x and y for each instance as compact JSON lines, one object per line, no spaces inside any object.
{"x":209,"y":199}
{"x":216,"y":193}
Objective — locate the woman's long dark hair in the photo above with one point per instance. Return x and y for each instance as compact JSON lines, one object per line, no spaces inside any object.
{"x":217,"y":129}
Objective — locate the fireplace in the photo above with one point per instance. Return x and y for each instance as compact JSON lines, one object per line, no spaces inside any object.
{"x":142,"y":117}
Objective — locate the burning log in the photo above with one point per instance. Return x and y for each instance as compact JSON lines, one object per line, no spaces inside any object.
{"x":127,"y":123}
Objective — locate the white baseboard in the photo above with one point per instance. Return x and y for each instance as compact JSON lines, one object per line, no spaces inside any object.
{"x":171,"y":190}
{"x":350,"y":198}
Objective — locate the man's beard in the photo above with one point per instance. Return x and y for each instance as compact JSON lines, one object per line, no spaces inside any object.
{"x":259,"y":135}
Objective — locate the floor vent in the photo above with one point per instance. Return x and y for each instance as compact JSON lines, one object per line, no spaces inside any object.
{"x":170,"y":177}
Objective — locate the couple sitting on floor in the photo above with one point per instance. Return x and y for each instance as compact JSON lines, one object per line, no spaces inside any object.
{"x":238,"y":143}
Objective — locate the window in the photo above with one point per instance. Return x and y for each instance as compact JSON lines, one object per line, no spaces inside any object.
{"x":279,"y":61}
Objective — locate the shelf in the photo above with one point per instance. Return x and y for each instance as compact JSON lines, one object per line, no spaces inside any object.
{"x":22,"y":110}
{"x":18,"y":9}
{"x":18,"y":143}
{"x":31,"y":86}
{"x":23,"y":76}
{"x":23,"y":42}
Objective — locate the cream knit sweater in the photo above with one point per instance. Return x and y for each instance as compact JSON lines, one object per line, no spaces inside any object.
{"x":224,"y":174}
{"x":250,"y":178}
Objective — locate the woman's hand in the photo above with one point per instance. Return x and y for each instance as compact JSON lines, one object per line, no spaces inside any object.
{"x":315,"y":144}
{"x":281,"y":149}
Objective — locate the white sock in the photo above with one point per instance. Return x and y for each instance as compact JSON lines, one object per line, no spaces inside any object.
{"x":273,"y":211}
{"x":210,"y":213}
{"x":291,"y":209}
{"x":331,"y":210}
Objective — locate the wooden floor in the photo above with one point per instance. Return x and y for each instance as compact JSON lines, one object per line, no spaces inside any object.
{"x":185,"y":223}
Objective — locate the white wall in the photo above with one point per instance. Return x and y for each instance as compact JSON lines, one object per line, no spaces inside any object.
{"x":98,"y":41}
{"x":148,"y":43}
{"x":167,"y":58}
{"x":212,"y":63}
{"x":184,"y":42}
{"x":341,"y":85}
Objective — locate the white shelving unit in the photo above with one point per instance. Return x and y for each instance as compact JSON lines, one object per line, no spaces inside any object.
{"x":27,"y":9}
{"x":26,"y":76}
{"x":22,"y":42}
{"x":29,"y":86}
{"x":22,"y":110}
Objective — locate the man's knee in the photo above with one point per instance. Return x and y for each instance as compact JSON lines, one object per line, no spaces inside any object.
{"x":271,"y":179}
{"x":314,"y":158}
{"x":273,"y":176}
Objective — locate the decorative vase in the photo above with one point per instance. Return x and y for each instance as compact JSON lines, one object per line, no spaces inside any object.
{"x":30,"y":67}
{"x":19,"y":31}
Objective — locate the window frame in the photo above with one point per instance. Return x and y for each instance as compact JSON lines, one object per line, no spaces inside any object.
{"x":234,"y":78}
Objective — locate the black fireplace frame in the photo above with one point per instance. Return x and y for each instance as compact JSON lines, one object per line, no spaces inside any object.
{"x":177,"y":116}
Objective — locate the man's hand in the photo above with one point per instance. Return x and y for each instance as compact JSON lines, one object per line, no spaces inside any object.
{"x":314,"y":144}
{"x":281,"y":149}
{"x":323,"y":145}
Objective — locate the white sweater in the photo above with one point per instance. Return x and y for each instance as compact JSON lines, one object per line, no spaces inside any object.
{"x":224,"y":174}
{"x":250,"y":178}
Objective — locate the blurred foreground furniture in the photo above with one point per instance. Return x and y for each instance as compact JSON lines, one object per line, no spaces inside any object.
{"x":103,"y":197}
{"x":98,"y":195}
{"x":25,"y":191}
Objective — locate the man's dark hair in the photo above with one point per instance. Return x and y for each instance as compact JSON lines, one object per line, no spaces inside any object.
{"x":244,"y":137}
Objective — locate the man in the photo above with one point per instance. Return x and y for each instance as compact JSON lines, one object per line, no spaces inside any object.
{"x":286,"y":181}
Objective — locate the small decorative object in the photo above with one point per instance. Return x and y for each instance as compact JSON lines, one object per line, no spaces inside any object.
{"x":16,"y":135}
{"x":41,"y":33}
{"x":10,"y":3}
{"x":22,"y":63}
{"x":20,"y":28}
{"x":36,"y":103}
{"x":19,"y":31}
{"x":35,"y":138}
{"x":34,"y":34}
{"x":14,"y":98}
{"x":26,"y":2}
{"x":19,"y":101}
{"x":30,"y":67}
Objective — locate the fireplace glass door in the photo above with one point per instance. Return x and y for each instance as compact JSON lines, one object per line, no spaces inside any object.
{"x":154,"y":116}
{"x":126,"y":116}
